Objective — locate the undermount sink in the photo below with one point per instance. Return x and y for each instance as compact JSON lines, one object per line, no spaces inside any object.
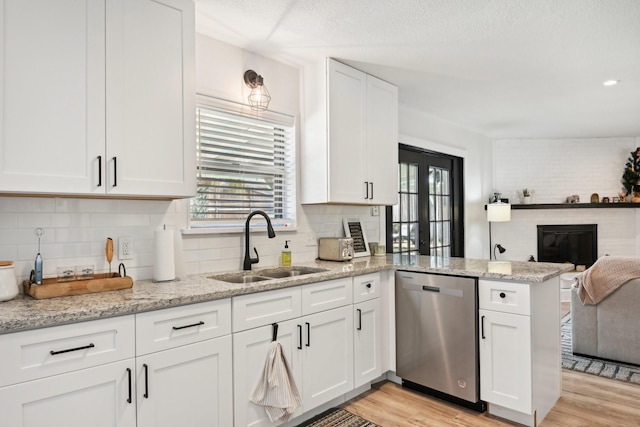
{"x":242,"y":279}
{"x":270,"y":274}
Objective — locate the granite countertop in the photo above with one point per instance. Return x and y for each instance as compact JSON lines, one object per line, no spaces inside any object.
{"x":24,"y":312}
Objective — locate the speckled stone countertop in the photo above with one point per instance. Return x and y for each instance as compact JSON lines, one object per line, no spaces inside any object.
{"x":24,"y":312}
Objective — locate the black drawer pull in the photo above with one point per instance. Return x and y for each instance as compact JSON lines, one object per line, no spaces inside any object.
{"x":482,"y":326}
{"x":99,"y":171}
{"x":129,"y":374}
{"x":299,"y":337}
{"x":177,"y":328}
{"x":53,"y":353}
{"x":308,"y":334}
{"x":502,"y":295}
{"x":115,"y":172}
{"x":359,"y":319}
{"x":146,"y":381}
{"x":368,"y":285}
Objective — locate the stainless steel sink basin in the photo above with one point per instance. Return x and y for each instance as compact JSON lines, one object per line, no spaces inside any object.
{"x":242,"y":279}
{"x":289,"y":272}
{"x":270,"y":274}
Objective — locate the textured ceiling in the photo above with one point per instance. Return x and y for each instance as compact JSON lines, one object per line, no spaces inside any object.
{"x":504,"y":68}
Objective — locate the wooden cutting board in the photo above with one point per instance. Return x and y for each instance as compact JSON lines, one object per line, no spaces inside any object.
{"x":51,"y":288}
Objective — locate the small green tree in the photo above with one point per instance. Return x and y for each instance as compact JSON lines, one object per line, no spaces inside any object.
{"x":631,"y":175}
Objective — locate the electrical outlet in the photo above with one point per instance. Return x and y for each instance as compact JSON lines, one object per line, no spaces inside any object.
{"x":375,"y":210}
{"x":125,"y":249}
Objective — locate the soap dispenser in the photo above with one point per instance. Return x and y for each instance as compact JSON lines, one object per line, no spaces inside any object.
{"x":286,"y":254}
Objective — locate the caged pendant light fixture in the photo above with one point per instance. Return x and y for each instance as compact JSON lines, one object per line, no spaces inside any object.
{"x":259,"y":97}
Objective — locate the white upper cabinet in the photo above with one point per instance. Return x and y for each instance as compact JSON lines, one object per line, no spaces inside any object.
{"x":97,"y":97}
{"x":151,"y":98}
{"x":350,"y":148}
{"x":52,"y":126}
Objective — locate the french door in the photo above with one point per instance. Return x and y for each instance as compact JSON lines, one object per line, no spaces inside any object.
{"x":428,"y":220}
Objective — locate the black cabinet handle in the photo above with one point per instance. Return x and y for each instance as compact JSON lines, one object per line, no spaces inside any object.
{"x":308,"y":334}
{"x":502,"y":295}
{"x":371,"y":191}
{"x":177,"y":328}
{"x":115,"y":171}
{"x":368,"y":285}
{"x":359,"y":319}
{"x":53,"y":353}
{"x":366,"y":186}
{"x":99,"y":171}
{"x":129,"y":374}
{"x":482,"y":326}
{"x":299,"y":337}
{"x":146,"y":381}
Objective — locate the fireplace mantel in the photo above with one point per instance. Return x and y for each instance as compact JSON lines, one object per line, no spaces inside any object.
{"x":622,"y":205}
{"x":575,"y":206}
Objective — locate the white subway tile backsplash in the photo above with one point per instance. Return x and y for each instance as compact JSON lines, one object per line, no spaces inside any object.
{"x":76,"y":231}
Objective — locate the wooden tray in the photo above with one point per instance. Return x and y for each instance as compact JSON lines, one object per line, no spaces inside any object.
{"x":51,"y":288}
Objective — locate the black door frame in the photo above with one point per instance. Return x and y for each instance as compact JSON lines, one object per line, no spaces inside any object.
{"x":408,"y":153}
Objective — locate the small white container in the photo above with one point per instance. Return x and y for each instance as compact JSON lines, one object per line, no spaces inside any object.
{"x":8,"y":283}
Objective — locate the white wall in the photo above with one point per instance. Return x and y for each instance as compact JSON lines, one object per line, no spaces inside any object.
{"x":428,"y":132}
{"x":556,"y":169}
{"x":76,"y":229}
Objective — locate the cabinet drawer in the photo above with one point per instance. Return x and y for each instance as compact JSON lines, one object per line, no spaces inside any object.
{"x":327,"y":295}
{"x":49,"y":351}
{"x":174,"y":327}
{"x":263,"y":308}
{"x":506,"y":297}
{"x":366,"y":287}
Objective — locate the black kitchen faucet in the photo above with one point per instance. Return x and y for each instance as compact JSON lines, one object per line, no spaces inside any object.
{"x":247,"y":258}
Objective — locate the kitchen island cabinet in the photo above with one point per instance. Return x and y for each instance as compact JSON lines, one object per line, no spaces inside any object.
{"x":520,"y":353}
{"x":98,"y":98}
{"x":351,"y":149}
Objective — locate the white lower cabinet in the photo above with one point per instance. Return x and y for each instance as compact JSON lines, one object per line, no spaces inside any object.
{"x":505,"y":359}
{"x":319,"y":348}
{"x":184,"y":366}
{"x":71,"y":375}
{"x":520,"y":350}
{"x":367,"y":343}
{"x":101,"y":396}
{"x":249,"y":354}
{"x":189,"y":385}
{"x":327,"y":356}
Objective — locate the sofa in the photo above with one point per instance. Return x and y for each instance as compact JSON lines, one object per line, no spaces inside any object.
{"x":611,"y":328}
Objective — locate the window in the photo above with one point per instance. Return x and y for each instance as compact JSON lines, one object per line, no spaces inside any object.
{"x":244,"y":163}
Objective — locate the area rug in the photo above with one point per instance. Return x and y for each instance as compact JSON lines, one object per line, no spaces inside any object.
{"x":603,"y":368}
{"x":337,"y":417}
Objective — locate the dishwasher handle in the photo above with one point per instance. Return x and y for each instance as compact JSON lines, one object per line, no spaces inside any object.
{"x":430,"y":288}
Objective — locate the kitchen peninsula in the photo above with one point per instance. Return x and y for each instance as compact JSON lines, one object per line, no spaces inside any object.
{"x":25,"y":313}
{"x":123,"y":345}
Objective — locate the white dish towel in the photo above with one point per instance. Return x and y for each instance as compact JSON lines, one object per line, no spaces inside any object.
{"x":276,"y":389}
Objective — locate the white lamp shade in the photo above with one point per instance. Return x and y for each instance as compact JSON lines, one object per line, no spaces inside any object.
{"x":498,"y":212}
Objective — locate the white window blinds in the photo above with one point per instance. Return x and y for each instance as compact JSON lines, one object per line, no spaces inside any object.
{"x":244,"y":163}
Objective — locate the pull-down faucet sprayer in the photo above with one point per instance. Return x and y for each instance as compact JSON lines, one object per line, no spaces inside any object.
{"x":247,"y":258}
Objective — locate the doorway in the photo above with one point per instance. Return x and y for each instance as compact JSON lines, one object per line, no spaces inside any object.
{"x":428,"y":219}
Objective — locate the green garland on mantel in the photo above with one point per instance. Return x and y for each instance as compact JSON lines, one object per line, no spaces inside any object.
{"x":631,"y":175}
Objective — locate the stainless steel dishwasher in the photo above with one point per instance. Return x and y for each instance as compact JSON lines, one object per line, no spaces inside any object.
{"x":437,"y":336}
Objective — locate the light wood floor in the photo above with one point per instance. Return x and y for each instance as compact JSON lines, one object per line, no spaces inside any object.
{"x":586,"y":400}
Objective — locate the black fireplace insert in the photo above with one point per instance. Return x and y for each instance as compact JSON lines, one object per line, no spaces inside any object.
{"x":577,"y":243}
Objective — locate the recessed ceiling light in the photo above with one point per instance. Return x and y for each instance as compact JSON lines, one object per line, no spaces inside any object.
{"x":611,"y":82}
